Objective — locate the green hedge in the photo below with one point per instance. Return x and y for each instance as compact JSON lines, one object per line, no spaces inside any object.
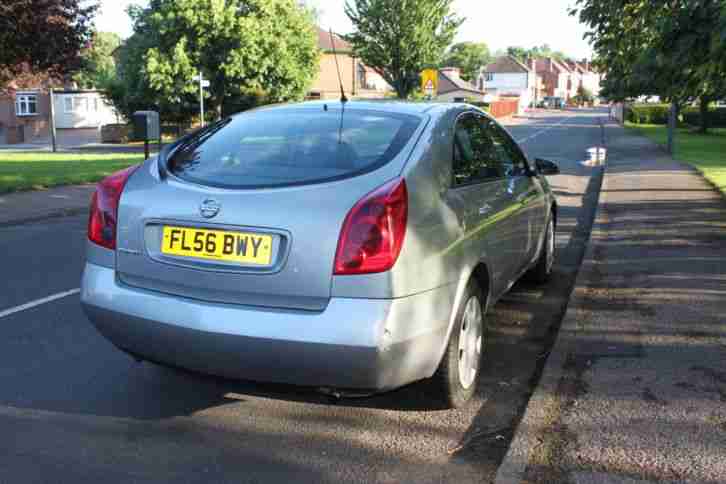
{"x":647,"y":114}
{"x":658,"y":114}
{"x":716,"y":117}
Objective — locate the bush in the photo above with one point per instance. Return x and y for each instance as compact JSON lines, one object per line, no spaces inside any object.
{"x":647,"y":114}
{"x":716,"y":117}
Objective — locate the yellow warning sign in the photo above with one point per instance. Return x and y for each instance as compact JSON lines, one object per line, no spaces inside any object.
{"x":430,"y":82}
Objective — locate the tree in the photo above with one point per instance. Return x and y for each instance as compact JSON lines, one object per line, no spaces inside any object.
{"x":519,"y":53}
{"x":99,"y":65}
{"x":657,"y":47}
{"x":259,"y":48}
{"x":537,"y":52}
{"x":400,"y":38}
{"x":584,"y":96}
{"x":470,"y":57}
{"x":43,"y":36}
{"x":130,"y":90}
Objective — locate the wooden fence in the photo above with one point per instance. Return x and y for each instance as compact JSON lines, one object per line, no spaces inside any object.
{"x":502,"y":109}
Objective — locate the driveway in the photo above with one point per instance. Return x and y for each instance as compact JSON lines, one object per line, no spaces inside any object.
{"x":74,"y":409}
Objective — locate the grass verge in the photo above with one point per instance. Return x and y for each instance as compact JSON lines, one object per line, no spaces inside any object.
{"x":707,"y":152}
{"x":38,"y":170}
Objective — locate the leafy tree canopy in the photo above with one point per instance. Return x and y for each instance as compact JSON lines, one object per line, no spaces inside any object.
{"x":658,"y":47}
{"x":99,"y":67}
{"x":470,"y":57}
{"x":537,"y":52}
{"x":260,"y":48}
{"x":400,"y":38}
{"x":43,"y":36}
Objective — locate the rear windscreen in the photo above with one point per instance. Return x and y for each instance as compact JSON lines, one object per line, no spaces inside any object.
{"x":291,"y":147}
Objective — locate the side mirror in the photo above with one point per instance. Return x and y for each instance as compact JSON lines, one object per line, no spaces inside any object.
{"x":546,"y":167}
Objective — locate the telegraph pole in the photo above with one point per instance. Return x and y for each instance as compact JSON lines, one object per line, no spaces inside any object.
{"x":52,"y":122}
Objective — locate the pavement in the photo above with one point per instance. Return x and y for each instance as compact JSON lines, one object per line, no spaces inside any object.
{"x":634,"y":390}
{"x":74,"y":409}
{"x":24,"y":207}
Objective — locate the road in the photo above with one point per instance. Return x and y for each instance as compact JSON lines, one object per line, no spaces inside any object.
{"x":74,"y":409}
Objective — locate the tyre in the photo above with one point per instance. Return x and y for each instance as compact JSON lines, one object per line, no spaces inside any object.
{"x":542,"y":270}
{"x":455,"y":379}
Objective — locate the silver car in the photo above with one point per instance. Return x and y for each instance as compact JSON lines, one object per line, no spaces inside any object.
{"x":351,"y":247}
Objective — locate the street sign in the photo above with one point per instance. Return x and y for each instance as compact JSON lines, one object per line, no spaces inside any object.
{"x":430,"y":82}
{"x":202,"y":84}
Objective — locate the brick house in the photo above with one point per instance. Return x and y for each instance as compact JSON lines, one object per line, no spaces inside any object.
{"x":358,"y":80}
{"x":24,"y":115}
{"x":556,"y":78}
{"x":508,"y":77}
{"x":25,"y":112}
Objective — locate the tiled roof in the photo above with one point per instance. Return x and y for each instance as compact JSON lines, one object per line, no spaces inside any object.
{"x":325,"y":44}
{"x":451,"y":83}
{"x":506,"y":64}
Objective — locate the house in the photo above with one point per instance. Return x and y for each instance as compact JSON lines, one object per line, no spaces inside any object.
{"x":591,"y":79}
{"x":358,"y":80}
{"x":564,"y":78}
{"x":453,"y":88}
{"x":76,"y":109}
{"x":556,"y":78}
{"x":508,"y":77}
{"x":371,"y":79}
{"x":25,"y":113}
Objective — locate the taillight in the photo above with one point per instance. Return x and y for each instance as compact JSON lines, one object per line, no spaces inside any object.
{"x":373,"y":231}
{"x":104,"y":208}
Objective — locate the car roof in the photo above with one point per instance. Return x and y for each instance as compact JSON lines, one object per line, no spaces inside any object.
{"x":386,"y":105}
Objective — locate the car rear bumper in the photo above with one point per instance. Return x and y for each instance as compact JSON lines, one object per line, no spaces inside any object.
{"x":367,"y":344}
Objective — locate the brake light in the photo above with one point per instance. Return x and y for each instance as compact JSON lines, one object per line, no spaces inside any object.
{"x":104,"y":208}
{"x":373,"y":231}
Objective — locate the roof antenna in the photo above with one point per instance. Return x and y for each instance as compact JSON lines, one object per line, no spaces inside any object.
{"x":343,"y":98}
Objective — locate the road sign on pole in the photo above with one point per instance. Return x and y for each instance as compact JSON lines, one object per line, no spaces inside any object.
{"x":430,"y":82}
{"x":202,"y":84}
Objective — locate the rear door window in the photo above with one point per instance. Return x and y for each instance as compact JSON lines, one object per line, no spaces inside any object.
{"x":283,"y":147}
{"x":475,"y":158}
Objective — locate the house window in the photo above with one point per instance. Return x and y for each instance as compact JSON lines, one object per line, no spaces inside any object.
{"x":75,"y":104}
{"x":489,"y":76}
{"x":362,"y":81}
{"x":26,"y":105}
{"x":80,"y":105}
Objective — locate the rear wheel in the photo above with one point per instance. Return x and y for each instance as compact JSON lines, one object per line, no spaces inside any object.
{"x":457,"y":374}
{"x":542,"y":271}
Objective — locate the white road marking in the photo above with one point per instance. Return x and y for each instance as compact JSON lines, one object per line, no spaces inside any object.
{"x":532,"y":136}
{"x":38,"y":302}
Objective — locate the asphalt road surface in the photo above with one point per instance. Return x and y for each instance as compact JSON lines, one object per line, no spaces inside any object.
{"x":74,"y":409}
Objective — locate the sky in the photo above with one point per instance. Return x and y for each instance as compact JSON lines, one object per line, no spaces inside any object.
{"x":499,"y":23}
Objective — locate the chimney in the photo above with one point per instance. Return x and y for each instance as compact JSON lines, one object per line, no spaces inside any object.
{"x":453,"y":72}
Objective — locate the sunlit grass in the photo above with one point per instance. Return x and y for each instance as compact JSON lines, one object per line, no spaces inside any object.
{"x":707,"y":152}
{"x":36,"y":170}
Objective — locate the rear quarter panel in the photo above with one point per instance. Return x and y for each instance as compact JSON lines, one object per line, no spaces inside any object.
{"x":431,"y":256}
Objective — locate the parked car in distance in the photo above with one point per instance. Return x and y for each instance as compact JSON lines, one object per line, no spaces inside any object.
{"x":552,"y":102}
{"x":353,"y":246}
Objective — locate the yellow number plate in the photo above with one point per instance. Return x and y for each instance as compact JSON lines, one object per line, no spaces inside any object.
{"x":217,"y":245}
